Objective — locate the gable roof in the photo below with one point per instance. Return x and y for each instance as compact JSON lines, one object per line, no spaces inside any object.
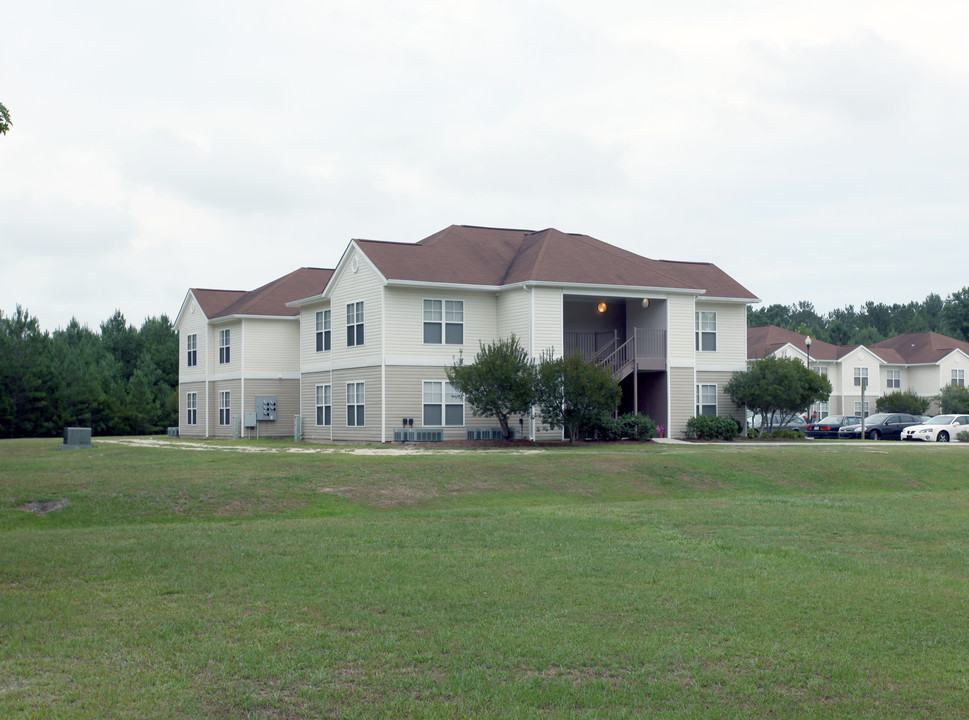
{"x":466,"y":254}
{"x":907,"y":349}
{"x":921,"y":347}
{"x":768,"y":339}
{"x":269,"y":300}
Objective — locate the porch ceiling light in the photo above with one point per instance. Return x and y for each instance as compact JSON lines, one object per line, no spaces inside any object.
{"x":645,"y":303}
{"x":601,"y":307}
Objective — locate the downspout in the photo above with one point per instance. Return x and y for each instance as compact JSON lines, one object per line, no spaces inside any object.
{"x":383,"y":364}
{"x":531,"y":352}
{"x":242,"y":380}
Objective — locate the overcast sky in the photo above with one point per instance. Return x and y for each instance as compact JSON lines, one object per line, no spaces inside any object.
{"x":814,"y":151}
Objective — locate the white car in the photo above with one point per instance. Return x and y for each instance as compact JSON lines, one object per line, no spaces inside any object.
{"x":941,"y":428}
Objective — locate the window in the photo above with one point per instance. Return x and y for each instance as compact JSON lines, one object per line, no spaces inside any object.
{"x":824,"y":408}
{"x":223,"y":347}
{"x":858,"y":409}
{"x":355,"y":324}
{"x":443,"y":404}
{"x":191,"y":344}
{"x":355,"y":404}
{"x":323,"y":331}
{"x":894,"y":379}
{"x":191,"y":409}
{"x":706,"y":331}
{"x":706,"y":400}
{"x":324,"y":405}
{"x":958,"y":377}
{"x":224,"y":407}
{"x":444,"y":322}
{"x":859,"y":374}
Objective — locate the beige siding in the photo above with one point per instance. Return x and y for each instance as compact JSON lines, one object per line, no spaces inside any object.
{"x":405,"y":325}
{"x":371,"y":432}
{"x":731,"y":352}
{"x":235,"y":406}
{"x":925,"y":380}
{"x":192,"y":323}
{"x":310,"y":359}
{"x":680,"y":339}
{"x":954,"y":361}
{"x":682,"y":400}
{"x":513,"y":308}
{"x":234,"y":366}
{"x":351,"y":287}
{"x":725,"y":406}
{"x":548,"y":322}
{"x":270,"y":347}
{"x":184,"y":429}
{"x":287,"y":406}
{"x":311,"y":431}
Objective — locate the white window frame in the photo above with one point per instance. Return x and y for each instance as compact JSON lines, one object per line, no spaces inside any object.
{"x":356,"y":404}
{"x":355,"y":323}
{"x":703,"y":393}
{"x":225,"y":344}
{"x":323,"y":331}
{"x":191,"y":408}
{"x":225,"y":408}
{"x":959,"y":377}
{"x":893,"y":379}
{"x":443,"y":396}
{"x":446,"y":319}
{"x":861,"y":372}
{"x":324,"y":405}
{"x":192,"y":350}
{"x":705,"y":322}
{"x":858,"y":408}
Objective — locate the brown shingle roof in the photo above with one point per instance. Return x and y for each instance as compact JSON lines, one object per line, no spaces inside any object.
{"x":767,"y":339}
{"x":270,"y":299}
{"x":921,"y":347}
{"x":472,"y":255}
{"x":906,"y":349}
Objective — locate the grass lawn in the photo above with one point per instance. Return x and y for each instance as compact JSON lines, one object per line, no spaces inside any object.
{"x":661,"y":581}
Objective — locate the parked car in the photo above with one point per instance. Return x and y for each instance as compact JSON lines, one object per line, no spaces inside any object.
{"x":941,"y":428}
{"x":828,"y":426}
{"x":881,"y":426}
{"x":795,"y":422}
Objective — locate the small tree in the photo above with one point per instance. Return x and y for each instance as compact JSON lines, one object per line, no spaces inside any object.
{"x":499,"y":383}
{"x":954,"y":399}
{"x":5,"y":122}
{"x":902,"y":402}
{"x":572,"y":392}
{"x":776,"y":385}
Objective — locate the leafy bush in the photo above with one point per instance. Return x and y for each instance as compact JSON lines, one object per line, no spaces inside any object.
{"x":638,"y":427}
{"x":787,"y":434}
{"x":709,"y":427}
{"x":606,"y":428}
{"x":954,"y":399}
{"x":962,"y":436}
{"x":902,"y":402}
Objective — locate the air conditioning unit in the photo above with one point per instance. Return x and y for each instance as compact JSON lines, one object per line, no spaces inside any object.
{"x":429,"y":435}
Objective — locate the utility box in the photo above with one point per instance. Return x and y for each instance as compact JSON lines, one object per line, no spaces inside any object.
{"x":76,"y":438}
{"x":265,"y":407}
{"x":250,"y":420}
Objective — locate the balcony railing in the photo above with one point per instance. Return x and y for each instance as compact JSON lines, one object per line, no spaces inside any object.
{"x":646,"y":350}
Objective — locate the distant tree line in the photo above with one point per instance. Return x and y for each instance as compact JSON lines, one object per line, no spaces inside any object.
{"x":119,"y":381}
{"x":872,"y":322}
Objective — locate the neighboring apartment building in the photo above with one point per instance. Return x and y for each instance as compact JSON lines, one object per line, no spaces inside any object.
{"x":374,"y":335}
{"x":923,"y":362}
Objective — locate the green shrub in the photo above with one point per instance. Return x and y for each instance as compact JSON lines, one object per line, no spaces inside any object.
{"x":709,"y":427}
{"x":787,"y":434}
{"x":753,"y":433}
{"x":638,"y":427}
{"x":962,"y":436}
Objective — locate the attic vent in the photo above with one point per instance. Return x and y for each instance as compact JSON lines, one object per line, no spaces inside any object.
{"x":354,"y":264}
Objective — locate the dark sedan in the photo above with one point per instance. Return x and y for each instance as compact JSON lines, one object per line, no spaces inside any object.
{"x":882,"y":426}
{"x":828,"y":426}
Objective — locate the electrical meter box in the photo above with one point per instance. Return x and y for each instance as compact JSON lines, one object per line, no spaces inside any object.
{"x":249,"y":420}
{"x":265,"y":407}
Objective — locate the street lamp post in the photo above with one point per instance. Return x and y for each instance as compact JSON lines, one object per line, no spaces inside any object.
{"x":807,"y":344}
